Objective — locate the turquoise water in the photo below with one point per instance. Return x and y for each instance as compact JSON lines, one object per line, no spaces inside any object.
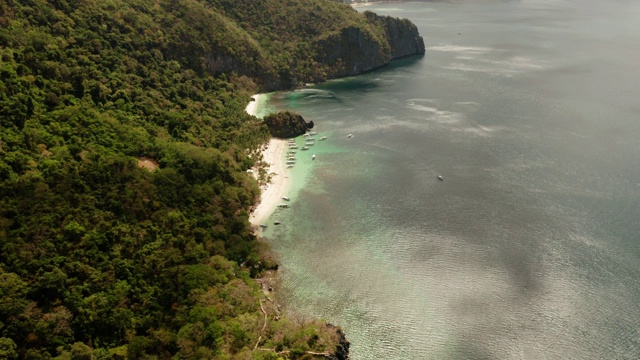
{"x":530,"y":247}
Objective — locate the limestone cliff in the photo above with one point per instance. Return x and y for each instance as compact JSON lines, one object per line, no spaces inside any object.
{"x":355,"y":50}
{"x":283,"y":47}
{"x":402,"y":35}
{"x":352,"y":51}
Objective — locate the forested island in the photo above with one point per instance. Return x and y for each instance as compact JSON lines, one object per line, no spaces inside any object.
{"x":124,"y":146}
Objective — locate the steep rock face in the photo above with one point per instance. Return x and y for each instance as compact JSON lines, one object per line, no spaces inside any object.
{"x":283,"y":47}
{"x":356,"y":50}
{"x":353,"y":51}
{"x":402,"y":35}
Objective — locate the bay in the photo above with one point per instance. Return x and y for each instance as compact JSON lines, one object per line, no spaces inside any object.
{"x":530,"y":247}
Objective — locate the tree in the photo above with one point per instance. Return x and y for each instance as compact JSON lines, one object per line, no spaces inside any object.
{"x":7,"y":348}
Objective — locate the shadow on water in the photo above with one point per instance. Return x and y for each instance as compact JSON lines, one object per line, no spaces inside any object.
{"x":335,"y":89}
{"x":363,"y":84}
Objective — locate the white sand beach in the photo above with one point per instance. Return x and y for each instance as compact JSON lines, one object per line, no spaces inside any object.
{"x":252,"y":108}
{"x":271,"y":193}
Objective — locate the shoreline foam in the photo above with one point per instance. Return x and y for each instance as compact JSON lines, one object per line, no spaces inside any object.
{"x":272,"y":192}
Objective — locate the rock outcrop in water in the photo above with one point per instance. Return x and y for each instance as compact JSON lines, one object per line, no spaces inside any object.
{"x":286,"y":124}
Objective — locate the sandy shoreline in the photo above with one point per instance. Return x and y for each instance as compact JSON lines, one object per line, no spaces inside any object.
{"x":252,"y":108}
{"x":272,"y":192}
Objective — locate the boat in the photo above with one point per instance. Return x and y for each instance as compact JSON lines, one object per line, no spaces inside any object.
{"x":290,"y":162}
{"x":304,"y":148}
{"x":323,"y":138}
{"x":440,"y":177}
{"x":313,"y":133}
{"x":285,"y":198}
{"x":350,"y":136}
{"x":289,"y":166}
{"x":277,"y":222}
{"x":313,"y":157}
{"x":283,"y":205}
{"x":264,"y":226}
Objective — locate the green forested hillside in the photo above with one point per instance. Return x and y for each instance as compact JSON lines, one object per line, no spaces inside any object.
{"x":124,"y":195}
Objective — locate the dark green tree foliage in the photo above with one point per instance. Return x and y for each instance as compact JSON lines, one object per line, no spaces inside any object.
{"x":101,"y":257}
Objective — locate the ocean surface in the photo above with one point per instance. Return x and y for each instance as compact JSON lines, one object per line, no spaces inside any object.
{"x":530,"y":247}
